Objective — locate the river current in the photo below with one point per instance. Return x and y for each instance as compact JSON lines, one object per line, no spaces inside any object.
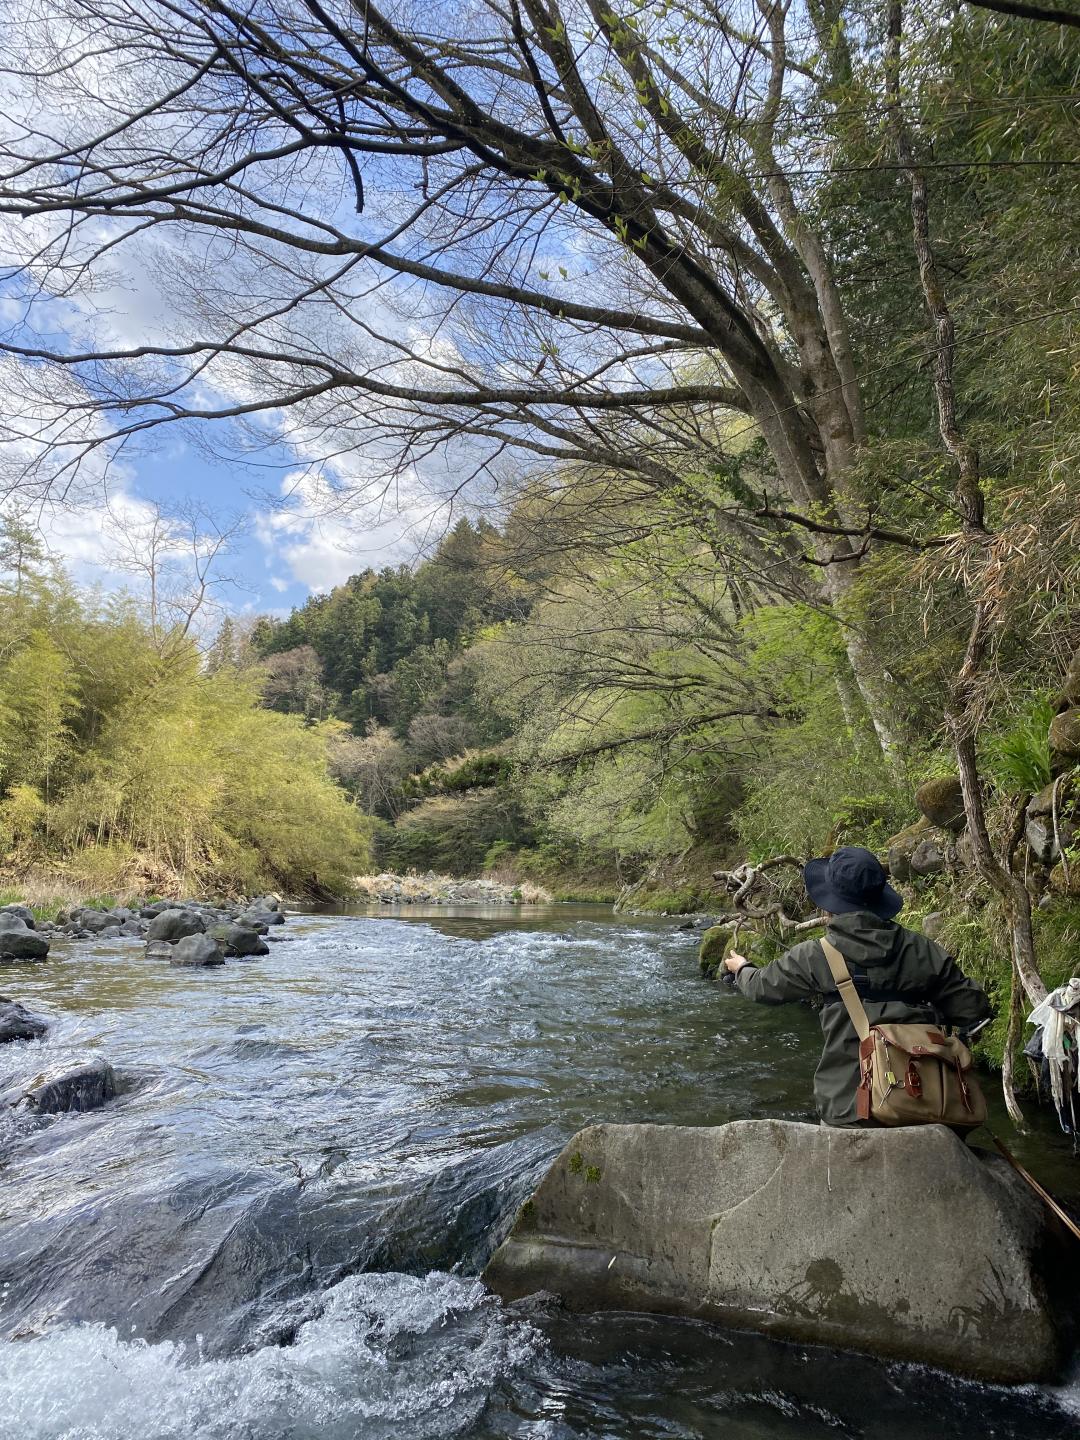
{"x":274,"y":1232}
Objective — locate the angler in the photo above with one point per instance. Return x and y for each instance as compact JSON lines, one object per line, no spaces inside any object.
{"x":888,"y":997}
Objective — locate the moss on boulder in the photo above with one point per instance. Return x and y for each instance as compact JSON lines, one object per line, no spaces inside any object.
{"x":715,"y":944}
{"x":941,"y":801}
{"x":1062,"y":883}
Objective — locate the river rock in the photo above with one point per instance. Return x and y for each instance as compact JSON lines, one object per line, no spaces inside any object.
{"x":19,"y":942}
{"x":941,"y":800}
{"x":258,"y":920}
{"x":902,"y":1243}
{"x":241,"y":940}
{"x":175,"y":925}
{"x":253,"y":916}
{"x":158,"y":950}
{"x":21,"y":912}
{"x":84,"y":1088}
{"x":93,"y":920}
{"x":197,"y":950}
{"x":18,"y":1023}
{"x":927,"y":859}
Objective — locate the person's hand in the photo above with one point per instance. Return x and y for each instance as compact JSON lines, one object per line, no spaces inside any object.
{"x":735,"y":961}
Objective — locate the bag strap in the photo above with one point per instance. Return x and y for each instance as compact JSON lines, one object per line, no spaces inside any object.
{"x":846,"y":986}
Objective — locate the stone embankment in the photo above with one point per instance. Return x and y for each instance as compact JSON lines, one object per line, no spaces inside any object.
{"x":900,"y":1243}
{"x":432,"y":889}
{"x":187,"y":934}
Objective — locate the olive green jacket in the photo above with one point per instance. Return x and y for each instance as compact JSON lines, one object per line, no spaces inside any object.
{"x":900,"y":976}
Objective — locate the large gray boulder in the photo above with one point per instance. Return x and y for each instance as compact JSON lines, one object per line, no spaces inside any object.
{"x":19,"y":942}
{"x":903,"y":1243}
{"x":175,"y":924}
{"x":196,"y":950}
{"x":84,"y":1088}
{"x":18,"y":1023}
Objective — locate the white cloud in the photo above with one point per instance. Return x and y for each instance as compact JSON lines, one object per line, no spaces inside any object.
{"x":322,"y":550}
{"x":85,"y":537}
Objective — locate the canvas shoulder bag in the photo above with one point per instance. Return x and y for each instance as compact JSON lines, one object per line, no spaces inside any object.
{"x":908,"y":1074}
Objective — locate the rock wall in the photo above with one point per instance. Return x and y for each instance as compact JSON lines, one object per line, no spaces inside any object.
{"x":901,"y":1243}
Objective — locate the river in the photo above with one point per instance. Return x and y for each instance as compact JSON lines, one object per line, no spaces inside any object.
{"x":274,"y":1232}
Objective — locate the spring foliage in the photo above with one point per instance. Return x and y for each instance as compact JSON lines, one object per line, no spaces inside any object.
{"x":123,"y":762}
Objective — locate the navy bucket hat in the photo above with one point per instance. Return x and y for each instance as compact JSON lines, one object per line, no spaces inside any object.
{"x":850,"y":879}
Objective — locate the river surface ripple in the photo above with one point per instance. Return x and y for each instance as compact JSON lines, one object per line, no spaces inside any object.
{"x":274,"y":1233}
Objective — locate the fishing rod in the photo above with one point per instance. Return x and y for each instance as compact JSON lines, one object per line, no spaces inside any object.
{"x":1043,"y":1194}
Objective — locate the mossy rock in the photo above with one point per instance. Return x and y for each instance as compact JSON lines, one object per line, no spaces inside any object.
{"x":1070,"y":689}
{"x":715,"y":944}
{"x":941,"y":801}
{"x":1065,"y":736}
{"x":903,"y":845}
{"x":1062,"y":885}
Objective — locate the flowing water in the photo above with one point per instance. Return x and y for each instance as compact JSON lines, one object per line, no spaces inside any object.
{"x":274,"y":1232}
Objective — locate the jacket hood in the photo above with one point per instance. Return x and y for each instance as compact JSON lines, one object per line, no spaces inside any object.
{"x":864,"y":938}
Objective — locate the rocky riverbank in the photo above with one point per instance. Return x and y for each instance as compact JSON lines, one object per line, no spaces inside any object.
{"x":188,"y":934}
{"x":432,"y":889}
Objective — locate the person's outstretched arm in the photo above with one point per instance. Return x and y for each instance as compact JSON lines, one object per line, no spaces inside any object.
{"x":962,"y":1003}
{"x":788,"y":978}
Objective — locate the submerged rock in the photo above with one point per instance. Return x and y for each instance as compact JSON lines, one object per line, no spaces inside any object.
{"x":175,"y":925}
{"x":197,"y":950}
{"x":18,"y":1023}
{"x":84,"y":1088}
{"x":158,"y":950}
{"x":19,"y":942}
{"x":903,"y":1243}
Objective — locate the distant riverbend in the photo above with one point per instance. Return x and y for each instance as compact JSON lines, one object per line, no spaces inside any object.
{"x":431,"y":889}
